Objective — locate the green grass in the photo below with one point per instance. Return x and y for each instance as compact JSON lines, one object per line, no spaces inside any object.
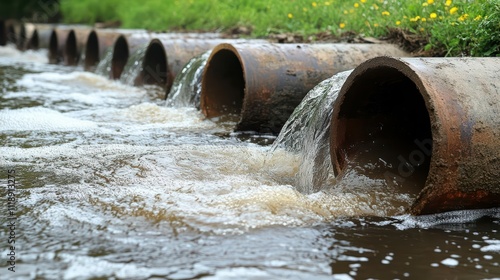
{"x":465,"y":27}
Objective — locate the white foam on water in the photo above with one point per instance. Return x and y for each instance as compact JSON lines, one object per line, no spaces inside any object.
{"x":10,"y":55}
{"x":494,"y":246}
{"x":41,"y":119}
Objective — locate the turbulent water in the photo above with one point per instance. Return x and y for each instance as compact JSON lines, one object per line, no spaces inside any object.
{"x":133,"y":66}
{"x":113,"y":184}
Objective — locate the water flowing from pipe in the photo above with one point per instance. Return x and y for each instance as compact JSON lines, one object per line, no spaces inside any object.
{"x":104,"y":66}
{"x":186,"y":90}
{"x":306,"y":134}
{"x":133,"y":66}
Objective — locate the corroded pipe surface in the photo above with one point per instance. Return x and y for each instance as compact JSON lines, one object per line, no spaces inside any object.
{"x":75,"y":44}
{"x":127,"y":44}
{"x":57,"y":43}
{"x":433,"y":121}
{"x":264,"y":83}
{"x":98,"y":42}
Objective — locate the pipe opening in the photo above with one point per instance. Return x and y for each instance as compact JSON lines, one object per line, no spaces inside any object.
{"x":120,"y":57}
{"x":223,"y":85}
{"x":22,"y":37}
{"x":383,"y":126}
{"x":3,"y":33}
{"x":154,"y":66}
{"x":71,"y":52}
{"x":53,"y":47}
{"x":34,"y":43}
{"x":91,"y":51}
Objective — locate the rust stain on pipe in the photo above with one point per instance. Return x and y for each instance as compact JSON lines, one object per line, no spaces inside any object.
{"x":264,"y":83}
{"x":75,"y":44}
{"x":57,"y":43}
{"x":441,"y":118}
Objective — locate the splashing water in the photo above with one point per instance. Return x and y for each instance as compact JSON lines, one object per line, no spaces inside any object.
{"x":186,"y":90}
{"x":104,"y":66}
{"x":133,"y":66}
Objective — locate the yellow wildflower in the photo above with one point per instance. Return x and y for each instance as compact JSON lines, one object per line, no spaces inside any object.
{"x":463,"y":17}
{"x":433,"y":15}
{"x":425,"y":4}
{"x":345,"y":12}
{"x":304,"y":9}
{"x":363,"y":1}
{"x":375,"y":25}
{"x":398,"y":22}
{"x":479,"y":17}
{"x":314,"y":4}
{"x":422,"y":29}
{"x":375,"y":6}
{"x":290,"y":15}
{"x":342,"y":25}
{"x":415,"y":18}
{"x":327,"y":3}
{"x":386,"y":13}
{"x":430,"y":2}
{"x":448,"y":3}
{"x":423,"y":20}
{"x":453,"y":10}
{"x":356,"y":5}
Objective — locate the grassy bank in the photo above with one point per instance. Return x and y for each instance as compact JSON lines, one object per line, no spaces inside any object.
{"x":446,"y":27}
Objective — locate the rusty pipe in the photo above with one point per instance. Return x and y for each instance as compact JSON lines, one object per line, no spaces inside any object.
{"x":98,"y":41}
{"x":161,"y":67}
{"x":264,"y":83}
{"x":38,"y":36}
{"x":127,"y":44}
{"x":434,"y":120}
{"x":75,"y":44}
{"x":57,"y":43}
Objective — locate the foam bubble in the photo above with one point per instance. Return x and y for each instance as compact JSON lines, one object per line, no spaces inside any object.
{"x":38,"y":118}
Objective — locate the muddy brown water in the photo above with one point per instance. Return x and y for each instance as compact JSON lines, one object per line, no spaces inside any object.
{"x":113,"y":184}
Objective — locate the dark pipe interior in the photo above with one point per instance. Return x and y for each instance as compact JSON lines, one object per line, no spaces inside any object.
{"x":53,"y":47}
{"x":34,"y":41}
{"x":384,"y":120}
{"x":91,"y":51}
{"x":71,"y":52}
{"x":3,"y":33}
{"x":120,"y":57}
{"x":154,"y":66}
{"x":223,"y":85}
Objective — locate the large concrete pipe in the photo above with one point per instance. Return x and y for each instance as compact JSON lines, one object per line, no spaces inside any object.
{"x":75,"y":44}
{"x":127,"y":44}
{"x":3,"y":33}
{"x":57,"y":43}
{"x":264,"y":83}
{"x":434,"y":122}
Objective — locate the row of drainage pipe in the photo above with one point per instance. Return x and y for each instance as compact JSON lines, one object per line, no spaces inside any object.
{"x":441,"y":115}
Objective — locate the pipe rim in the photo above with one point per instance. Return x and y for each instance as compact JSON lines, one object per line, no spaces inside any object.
{"x":212,"y":81}
{"x":120,"y":57}
{"x":155,"y":65}
{"x":404,"y":70}
{"x":91,"y":50}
